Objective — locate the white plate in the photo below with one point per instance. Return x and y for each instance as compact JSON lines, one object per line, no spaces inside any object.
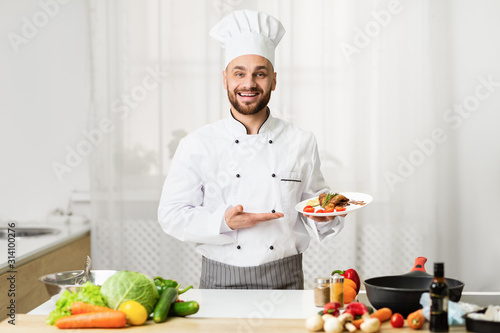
{"x":366,"y":198}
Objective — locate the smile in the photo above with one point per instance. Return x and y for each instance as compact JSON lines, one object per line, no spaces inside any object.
{"x":248,"y":94}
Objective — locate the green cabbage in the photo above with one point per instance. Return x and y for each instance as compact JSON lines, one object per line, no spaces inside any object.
{"x":130,"y":286}
{"x":88,"y":293}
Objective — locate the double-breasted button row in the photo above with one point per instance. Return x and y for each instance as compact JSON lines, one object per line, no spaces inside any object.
{"x":272,"y":175}
{"x":238,"y":141}
{"x":270,"y":247}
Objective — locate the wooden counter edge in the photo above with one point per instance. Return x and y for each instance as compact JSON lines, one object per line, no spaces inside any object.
{"x":26,"y":323}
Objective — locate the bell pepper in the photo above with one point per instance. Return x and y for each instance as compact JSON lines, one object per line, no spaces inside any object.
{"x":357,"y":309}
{"x":350,"y":274}
{"x":162,"y":284}
{"x":332,"y":308}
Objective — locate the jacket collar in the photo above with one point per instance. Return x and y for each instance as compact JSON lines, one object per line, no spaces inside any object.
{"x":237,"y":128}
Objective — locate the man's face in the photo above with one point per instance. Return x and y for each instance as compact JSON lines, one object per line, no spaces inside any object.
{"x":249,"y":80}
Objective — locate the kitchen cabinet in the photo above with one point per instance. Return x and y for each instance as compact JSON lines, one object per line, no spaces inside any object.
{"x":29,"y":291}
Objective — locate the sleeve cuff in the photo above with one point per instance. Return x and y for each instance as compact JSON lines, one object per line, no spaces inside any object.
{"x":224,"y":228}
{"x":326,"y":230}
{"x":324,"y":227}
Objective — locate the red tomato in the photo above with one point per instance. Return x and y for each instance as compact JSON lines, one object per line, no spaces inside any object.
{"x":397,"y":320}
{"x":340,"y":209}
{"x":320,"y":211}
{"x":329,"y":210}
{"x":308,"y":209}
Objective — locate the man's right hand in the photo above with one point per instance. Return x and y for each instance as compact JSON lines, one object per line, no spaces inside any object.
{"x":236,"y":218}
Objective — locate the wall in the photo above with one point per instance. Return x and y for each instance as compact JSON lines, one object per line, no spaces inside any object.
{"x":44,"y":89}
{"x":476,"y":51}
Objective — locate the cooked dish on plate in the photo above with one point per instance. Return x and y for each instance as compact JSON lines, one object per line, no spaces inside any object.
{"x":330,"y":203}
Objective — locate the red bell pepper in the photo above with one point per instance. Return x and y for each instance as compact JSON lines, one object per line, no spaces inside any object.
{"x":350,"y":274}
{"x":357,"y":309}
{"x":332,"y":308}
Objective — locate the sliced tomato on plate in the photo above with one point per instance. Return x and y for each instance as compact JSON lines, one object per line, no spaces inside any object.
{"x":308,"y":209}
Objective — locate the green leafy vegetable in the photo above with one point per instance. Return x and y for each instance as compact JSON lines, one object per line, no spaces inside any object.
{"x":130,"y":286}
{"x":88,"y":293}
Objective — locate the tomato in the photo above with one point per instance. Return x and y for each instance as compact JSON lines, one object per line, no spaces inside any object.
{"x":397,"y":320}
{"x":308,"y":209}
{"x":135,"y":311}
{"x":340,"y":209}
{"x":320,"y":211}
{"x":329,"y":210}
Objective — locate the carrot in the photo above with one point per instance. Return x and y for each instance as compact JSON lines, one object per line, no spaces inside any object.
{"x":416,"y":319}
{"x":82,"y":307}
{"x":103,"y":319}
{"x":358,"y":323}
{"x":382,"y":314}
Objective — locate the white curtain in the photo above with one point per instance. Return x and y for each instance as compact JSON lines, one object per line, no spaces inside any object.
{"x":374,"y":80}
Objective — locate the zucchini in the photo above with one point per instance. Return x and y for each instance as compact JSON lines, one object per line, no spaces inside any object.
{"x":182,"y":309}
{"x":162,"y":307}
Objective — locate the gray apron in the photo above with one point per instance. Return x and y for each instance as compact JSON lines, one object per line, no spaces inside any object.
{"x":280,"y":274}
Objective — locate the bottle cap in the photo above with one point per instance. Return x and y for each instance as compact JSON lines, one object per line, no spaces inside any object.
{"x":439,"y":269}
{"x":336,"y":278}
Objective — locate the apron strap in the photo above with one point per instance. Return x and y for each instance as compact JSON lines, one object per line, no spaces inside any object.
{"x":280,"y":274}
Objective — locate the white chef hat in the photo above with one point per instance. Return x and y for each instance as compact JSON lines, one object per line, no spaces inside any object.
{"x":248,"y":32}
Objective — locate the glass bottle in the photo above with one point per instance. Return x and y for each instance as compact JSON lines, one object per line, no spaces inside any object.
{"x":321,"y":291}
{"x":439,"y":300}
{"x":337,"y":289}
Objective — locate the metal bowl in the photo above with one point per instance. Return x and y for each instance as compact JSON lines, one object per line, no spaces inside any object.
{"x":71,"y":280}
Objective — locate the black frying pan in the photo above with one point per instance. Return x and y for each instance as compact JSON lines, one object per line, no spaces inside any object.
{"x":401,"y":293}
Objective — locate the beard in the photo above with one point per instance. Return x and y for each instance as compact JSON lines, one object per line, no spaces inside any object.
{"x":249,"y":108}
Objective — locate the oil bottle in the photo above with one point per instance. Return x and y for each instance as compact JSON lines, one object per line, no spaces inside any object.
{"x":439,"y":300}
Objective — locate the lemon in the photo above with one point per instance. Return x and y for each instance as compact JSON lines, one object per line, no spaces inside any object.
{"x":135,"y":311}
{"x":313,"y":202}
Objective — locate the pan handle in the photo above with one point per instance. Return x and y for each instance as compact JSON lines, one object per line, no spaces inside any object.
{"x":419,"y":264}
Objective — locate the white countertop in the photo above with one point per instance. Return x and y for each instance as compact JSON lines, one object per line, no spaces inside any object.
{"x":230,"y":303}
{"x":260,"y":304}
{"x":29,"y":248}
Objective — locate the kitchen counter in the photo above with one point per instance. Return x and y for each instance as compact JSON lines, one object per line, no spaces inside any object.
{"x":24,"y":259}
{"x":36,"y":324}
{"x":239,"y":311}
{"x":30,"y":248}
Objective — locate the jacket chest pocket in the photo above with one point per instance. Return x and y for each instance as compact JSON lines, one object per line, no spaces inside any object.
{"x":291,"y":189}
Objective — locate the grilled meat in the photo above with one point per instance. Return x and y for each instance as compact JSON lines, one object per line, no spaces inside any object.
{"x":330,"y":201}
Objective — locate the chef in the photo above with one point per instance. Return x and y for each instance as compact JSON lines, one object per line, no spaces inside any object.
{"x":233,"y":185}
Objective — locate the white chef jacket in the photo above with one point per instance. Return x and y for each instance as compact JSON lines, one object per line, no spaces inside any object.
{"x":219,"y":166}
